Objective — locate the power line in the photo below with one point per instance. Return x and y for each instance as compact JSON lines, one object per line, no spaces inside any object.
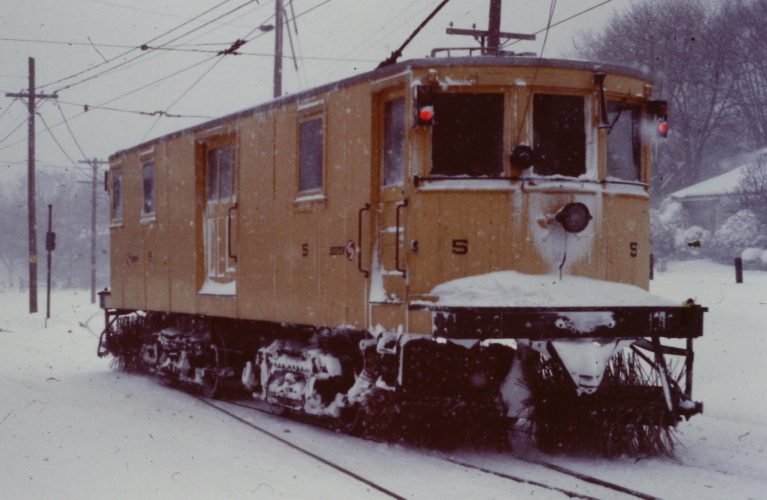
{"x":88,"y":107}
{"x":145,"y":44}
{"x":359,"y":47}
{"x":125,"y":95}
{"x":9,"y":106}
{"x":552,"y":6}
{"x":153,"y":12}
{"x":60,"y":147}
{"x":510,"y":42}
{"x":12,"y":131}
{"x":182,"y":95}
{"x":71,"y":133}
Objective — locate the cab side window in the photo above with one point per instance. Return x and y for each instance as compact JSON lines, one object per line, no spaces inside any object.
{"x":117,"y":195}
{"x":394,"y":142}
{"x":467,"y":135}
{"x":222,"y":175}
{"x":147,"y":170}
{"x":624,"y":146}
{"x":559,"y":135}
{"x":310,"y":155}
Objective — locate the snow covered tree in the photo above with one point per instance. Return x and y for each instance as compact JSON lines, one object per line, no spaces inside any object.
{"x":751,"y":192}
{"x":71,"y":202}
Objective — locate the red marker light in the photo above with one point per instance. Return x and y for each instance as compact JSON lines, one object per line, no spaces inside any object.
{"x":426,"y":114}
{"x":663,"y":129}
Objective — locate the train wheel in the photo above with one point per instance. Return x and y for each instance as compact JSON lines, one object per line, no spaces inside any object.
{"x":348,"y":420}
{"x":211,"y":381}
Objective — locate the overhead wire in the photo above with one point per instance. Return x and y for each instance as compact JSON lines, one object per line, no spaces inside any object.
{"x":61,"y":148}
{"x":552,"y":7}
{"x":9,"y":106}
{"x":298,"y":42}
{"x":512,"y":42}
{"x":182,"y":95}
{"x":127,"y":94}
{"x":165,"y":14}
{"x":360,"y":46}
{"x":146,"y":45}
{"x":64,"y":117}
{"x":88,"y":107}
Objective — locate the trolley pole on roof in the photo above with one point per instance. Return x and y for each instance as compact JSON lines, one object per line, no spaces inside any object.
{"x":30,"y":96}
{"x":94,"y":163}
{"x":278,"y":22}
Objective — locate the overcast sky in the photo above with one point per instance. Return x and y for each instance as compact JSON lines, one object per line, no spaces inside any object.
{"x":335,"y":39}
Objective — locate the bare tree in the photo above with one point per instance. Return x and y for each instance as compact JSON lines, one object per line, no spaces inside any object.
{"x":71,"y":202}
{"x":689,"y":50}
{"x":750,"y":30}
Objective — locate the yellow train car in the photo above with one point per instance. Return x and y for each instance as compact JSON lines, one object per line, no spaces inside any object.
{"x":498,"y":204}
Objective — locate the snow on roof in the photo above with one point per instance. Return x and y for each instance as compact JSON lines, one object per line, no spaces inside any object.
{"x":716,"y":186}
{"x":720,"y":185}
{"x":514,"y":289}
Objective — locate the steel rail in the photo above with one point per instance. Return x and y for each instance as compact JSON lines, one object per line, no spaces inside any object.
{"x":578,"y":475}
{"x":302,"y":450}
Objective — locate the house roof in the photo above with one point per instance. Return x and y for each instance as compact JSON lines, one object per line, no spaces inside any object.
{"x":720,"y":185}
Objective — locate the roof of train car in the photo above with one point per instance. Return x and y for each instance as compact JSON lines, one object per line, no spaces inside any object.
{"x":388,"y":70}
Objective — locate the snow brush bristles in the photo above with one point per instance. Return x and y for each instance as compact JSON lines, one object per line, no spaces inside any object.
{"x":626,"y":416}
{"x":126,"y":337}
{"x":438,"y":423}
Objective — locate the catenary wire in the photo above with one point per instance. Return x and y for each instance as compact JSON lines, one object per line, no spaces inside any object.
{"x":512,"y":42}
{"x":165,"y":14}
{"x":182,"y":96}
{"x":88,"y":107}
{"x":359,"y":47}
{"x":150,"y":41}
{"x":64,"y":117}
{"x":552,"y":6}
{"x":8,"y":107}
{"x":61,"y":148}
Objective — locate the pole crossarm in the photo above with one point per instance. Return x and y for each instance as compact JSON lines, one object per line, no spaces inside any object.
{"x":23,"y":95}
{"x":478,"y":33}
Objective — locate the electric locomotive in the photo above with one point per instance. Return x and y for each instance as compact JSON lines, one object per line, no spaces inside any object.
{"x":421,"y":231}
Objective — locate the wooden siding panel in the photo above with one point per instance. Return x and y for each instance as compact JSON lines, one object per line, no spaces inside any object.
{"x":256,"y":253}
{"x":183,"y":223}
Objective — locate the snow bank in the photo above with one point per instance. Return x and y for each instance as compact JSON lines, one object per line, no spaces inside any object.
{"x":751,"y":254}
{"x":514,"y":289}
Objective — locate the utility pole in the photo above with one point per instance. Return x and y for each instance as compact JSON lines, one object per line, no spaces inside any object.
{"x":32,"y":223}
{"x":94,"y":163}
{"x":278,"y":22}
{"x":490,"y":39}
{"x":494,"y":28}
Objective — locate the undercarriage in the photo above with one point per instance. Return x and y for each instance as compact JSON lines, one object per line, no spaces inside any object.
{"x":572,"y":374}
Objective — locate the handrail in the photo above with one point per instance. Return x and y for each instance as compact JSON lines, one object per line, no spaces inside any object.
{"x":229,"y":232}
{"x":365,"y":272}
{"x":396,"y":243}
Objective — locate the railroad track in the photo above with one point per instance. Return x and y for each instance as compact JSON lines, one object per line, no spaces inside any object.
{"x":467,"y":465}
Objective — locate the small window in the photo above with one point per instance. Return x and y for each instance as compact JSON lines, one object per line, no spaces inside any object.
{"x":117,"y":195}
{"x":221,"y":173}
{"x":467,"y":135}
{"x":559,"y":135}
{"x":394,"y":142}
{"x":624,"y":146}
{"x":148,"y":207}
{"x":310,"y":155}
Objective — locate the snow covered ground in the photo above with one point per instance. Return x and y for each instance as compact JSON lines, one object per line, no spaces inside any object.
{"x":71,"y":428}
